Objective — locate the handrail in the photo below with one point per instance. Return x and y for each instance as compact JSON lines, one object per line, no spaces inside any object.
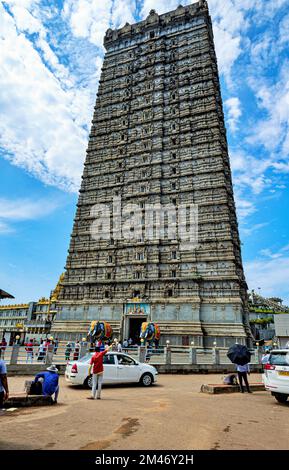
{"x":19,"y":354}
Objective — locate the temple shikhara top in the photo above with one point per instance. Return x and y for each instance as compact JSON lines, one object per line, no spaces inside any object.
{"x":158,"y":139}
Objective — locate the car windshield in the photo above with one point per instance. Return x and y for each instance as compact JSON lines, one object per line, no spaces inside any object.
{"x":85,"y":358}
{"x":280,"y":359}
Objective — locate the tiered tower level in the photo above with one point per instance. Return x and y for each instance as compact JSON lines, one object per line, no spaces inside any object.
{"x":158,"y":136}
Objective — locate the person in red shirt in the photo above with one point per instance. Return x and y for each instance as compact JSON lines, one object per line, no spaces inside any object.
{"x":96,"y":365}
{"x":29,"y":351}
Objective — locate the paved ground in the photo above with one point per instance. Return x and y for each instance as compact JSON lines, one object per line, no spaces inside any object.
{"x":170,"y":415}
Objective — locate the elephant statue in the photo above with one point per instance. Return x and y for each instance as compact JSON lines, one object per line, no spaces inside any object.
{"x":99,"y":331}
{"x":150,"y":332}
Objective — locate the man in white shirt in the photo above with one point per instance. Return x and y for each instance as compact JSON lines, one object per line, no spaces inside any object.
{"x":242,"y":375}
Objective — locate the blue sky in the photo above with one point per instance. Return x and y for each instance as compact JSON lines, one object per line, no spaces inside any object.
{"x":50,"y":60}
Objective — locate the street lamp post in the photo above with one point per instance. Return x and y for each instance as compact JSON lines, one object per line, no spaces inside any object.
{"x":168,"y":355}
{"x":216,"y":354}
{"x":193,"y":353}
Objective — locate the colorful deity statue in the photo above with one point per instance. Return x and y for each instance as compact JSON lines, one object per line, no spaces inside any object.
{"x":99,"y":331}
{"x":150,"y":333}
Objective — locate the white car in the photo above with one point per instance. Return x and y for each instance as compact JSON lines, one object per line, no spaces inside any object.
{"x":276,"y":374}
{"x":118,"y":368}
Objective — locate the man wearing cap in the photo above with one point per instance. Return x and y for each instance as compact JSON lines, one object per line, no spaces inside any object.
{"x":50,"y":384}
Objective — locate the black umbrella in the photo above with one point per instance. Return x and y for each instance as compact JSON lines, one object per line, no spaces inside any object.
{"x":239,"y":354}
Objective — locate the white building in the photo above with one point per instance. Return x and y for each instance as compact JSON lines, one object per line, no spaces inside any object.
{"x":282,"y":329}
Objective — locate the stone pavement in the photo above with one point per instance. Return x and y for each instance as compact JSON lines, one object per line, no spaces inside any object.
{"x":172,"y":414}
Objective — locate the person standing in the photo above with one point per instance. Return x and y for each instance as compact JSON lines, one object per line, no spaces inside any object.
{"x":41,"y":351}
{"x":96,"y":365}
{"x":114,"y":345}
{"x":4,"y":391}
{"x":56,"y":345}
{"x":243,"y":372}
{"x":49,"y":351}
{"x":67,"y":351}
{"x":76,"y":351}
{"x":125,"y":345}
{"x":29,"y":351}
{"x":3,"y":346}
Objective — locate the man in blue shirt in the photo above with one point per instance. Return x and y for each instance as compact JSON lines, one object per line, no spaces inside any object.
{"x":4,"y":391}
{"x":242,"y":374}
{"x":50,"y":382}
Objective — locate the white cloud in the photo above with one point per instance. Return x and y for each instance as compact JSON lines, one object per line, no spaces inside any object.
{"x":244,"y":208}
{"x":17,"y":210}
{"x":47,"y":105}
{"x":268,"y":254}
{"x":25,"y":209}
{"x":284,"y":30}
{"x":88,"y":18}
{"x":42,"y":123}
{"x":271,"y":275}
{"x":123,"y":11}
{"x":5,"y":228}
{"x":273,"y":131}
{"x":248,"y":231}
{"x":234,"y":112}
{"x":250,"y":172}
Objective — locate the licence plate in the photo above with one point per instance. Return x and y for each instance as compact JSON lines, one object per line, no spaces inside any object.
{"x":284,"y":373}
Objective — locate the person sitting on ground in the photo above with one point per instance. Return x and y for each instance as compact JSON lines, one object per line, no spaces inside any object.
{"x":230,"y":379}
{"x":50,"y":384}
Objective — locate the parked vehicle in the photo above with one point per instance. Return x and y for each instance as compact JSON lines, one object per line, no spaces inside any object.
{"x":276,"y":374}
{"x":118,"y":368}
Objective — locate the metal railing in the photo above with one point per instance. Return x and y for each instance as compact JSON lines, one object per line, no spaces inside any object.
{"x":175,"y":355}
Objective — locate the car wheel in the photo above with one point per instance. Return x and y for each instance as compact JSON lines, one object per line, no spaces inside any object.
{"x":88,"y":382}
{"x":146,"y":379}
{"x":281,"y":398}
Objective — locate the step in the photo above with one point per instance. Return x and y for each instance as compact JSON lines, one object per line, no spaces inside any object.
{"x":19,"y":400}
{"x":217,"y":389}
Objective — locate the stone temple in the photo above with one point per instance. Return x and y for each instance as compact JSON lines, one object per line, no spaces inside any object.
{"x":158,"y":138}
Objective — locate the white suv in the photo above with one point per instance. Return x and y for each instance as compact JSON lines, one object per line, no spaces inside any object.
{"x":276,"y":374}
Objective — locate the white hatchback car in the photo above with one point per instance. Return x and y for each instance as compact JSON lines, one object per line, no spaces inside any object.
{"x":276,"y":374}
{"x":118,"y":368}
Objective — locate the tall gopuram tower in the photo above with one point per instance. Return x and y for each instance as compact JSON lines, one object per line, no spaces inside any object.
{"x":158,"y":139}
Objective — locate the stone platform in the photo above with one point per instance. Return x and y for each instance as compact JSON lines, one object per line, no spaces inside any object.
{"x":217,"y":389}
{"x":20,"y":400}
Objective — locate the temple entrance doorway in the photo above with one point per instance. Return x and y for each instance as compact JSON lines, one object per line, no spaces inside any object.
{"x":134,"y":326}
